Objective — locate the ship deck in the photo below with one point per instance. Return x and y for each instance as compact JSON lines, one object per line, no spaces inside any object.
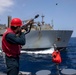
{"x":20,"y":73}
{"x":1,"y":73}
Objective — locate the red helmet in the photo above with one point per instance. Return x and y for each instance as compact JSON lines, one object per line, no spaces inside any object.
{"x":16,"y":22}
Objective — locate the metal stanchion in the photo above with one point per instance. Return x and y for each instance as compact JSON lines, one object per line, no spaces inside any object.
{"x":57,"y":67}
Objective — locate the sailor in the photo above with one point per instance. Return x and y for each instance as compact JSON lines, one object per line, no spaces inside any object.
{"x":12,"y":40}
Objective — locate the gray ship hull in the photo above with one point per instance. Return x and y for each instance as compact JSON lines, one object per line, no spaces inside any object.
{"x":45,"y":39}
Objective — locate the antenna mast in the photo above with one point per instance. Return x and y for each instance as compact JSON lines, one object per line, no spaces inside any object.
{"x":52,"y":22}
{"x":42,"y":19}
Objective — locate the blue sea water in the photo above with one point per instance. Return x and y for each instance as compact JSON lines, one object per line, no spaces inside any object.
{"x":34,"y":63}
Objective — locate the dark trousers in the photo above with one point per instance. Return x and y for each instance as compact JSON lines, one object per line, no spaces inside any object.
{"x":12,"y":64}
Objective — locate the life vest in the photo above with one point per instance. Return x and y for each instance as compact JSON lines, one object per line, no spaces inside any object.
{"x":8,"y":48}
{"x":56,"y":57}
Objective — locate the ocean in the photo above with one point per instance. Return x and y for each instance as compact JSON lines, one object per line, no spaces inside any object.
{"x":34,"y":63}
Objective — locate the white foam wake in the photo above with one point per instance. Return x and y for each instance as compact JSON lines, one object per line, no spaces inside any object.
{"x":47,"y":51}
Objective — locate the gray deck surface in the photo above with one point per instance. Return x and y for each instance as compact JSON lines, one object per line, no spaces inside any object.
{"x":1,"y":73}
{"x":20,"y":73}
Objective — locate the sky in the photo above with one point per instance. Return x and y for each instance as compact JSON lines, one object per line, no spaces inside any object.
{"x":62,"y":12}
